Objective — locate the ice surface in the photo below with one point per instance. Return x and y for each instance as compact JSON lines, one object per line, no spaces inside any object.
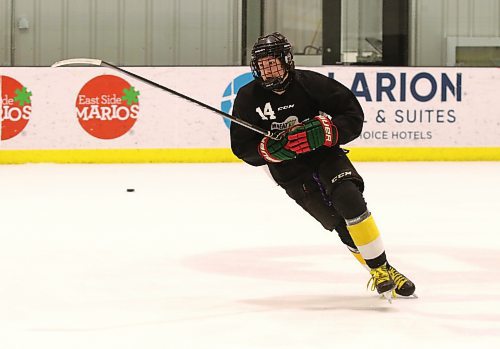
{"x":216,"y":256}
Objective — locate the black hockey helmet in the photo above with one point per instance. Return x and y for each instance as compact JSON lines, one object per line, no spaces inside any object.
{"x":277,"y":46}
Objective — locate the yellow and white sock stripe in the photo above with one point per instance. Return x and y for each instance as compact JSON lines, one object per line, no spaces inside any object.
{"x":357,"y":255}
{"x":360,"y":259}
{"x":366,"y":236}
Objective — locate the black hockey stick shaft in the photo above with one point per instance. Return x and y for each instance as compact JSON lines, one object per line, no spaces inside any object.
{"x":181,"y":95}
{"x":97,"y":62}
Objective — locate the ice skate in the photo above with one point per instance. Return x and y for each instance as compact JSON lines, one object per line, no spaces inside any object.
{"x":404,"y":286}
{"x":381,"y":281}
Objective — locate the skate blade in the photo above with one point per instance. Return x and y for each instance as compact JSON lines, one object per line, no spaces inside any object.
{"x":413,"y":296}
{"x":395,"y":295}
{"x":387,"y":295}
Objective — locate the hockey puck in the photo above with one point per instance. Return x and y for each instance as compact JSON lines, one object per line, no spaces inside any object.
{"x":130,"y":190}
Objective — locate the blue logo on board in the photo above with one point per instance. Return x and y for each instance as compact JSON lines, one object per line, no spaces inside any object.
{"x":230,"y":92}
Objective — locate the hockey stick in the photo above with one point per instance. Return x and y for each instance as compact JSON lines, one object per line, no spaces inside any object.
{"x":101,"y":63}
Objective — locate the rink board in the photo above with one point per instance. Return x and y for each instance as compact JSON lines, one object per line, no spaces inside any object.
{"x":225,"y":155}
{"x":99,"y":115}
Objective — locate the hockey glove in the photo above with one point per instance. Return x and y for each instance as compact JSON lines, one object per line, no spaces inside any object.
{"x":312,"y":134}
{"x":275,"y":150}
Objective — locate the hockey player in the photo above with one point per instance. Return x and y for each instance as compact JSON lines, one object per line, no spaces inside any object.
{"x":313,"y":116}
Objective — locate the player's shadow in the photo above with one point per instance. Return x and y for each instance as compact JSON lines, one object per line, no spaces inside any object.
{"x":323,"y":303}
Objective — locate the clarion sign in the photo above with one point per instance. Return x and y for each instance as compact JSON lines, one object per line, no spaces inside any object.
{"x":399,"y":87}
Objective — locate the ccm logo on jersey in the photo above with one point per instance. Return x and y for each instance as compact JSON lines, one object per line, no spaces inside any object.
{"x":286,"y":107}
{"x":342,"y":175}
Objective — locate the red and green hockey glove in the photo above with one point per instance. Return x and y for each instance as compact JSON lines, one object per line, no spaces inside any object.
{"x":273,"y":150}
{"x":312,"y":134}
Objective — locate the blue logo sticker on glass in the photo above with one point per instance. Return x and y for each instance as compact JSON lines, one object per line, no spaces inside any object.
{"x":230,"y":94}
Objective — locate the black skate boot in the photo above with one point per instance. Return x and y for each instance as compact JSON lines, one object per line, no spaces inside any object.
{"x":382,"y":281}
{"x":404,"y":287}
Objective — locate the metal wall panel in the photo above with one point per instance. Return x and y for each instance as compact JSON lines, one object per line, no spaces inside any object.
{"x":207,"y":32}
{"x":163,"y":39}
{"x":350,"y":27}
{"x":5,"y":25}
{"x":299,"y":20}
{"x":24,"y":39}
{"x":135,"y":31}
{"x":106,"y":30}
{"x":77,"y":29}
{"x":361,"y":19}
{"x":129,"y":32}
{"x":219,"y":42}
{"x":485,"y":18}
{"x":457,"y":21}
{"x":437,"y":20}
{"x":429,"y":32}
{"x":49,"y":31}
{"x":38,"y":31}
{"x":189,"y":33}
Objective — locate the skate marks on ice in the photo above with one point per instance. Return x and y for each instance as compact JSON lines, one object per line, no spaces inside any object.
{"x":303,"y":265}
{"x":459,"y":266}
{"x":170,"y":316}
{"x":467,"y":311}
{"x":458,"y":287}
{"x":309,"y":264}
{"x":368,"y":302}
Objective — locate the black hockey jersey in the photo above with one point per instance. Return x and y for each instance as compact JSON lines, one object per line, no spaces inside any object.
{"x":308,"y":95}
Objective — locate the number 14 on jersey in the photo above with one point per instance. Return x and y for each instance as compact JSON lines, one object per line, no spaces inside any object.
{"x":268,"y":113}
